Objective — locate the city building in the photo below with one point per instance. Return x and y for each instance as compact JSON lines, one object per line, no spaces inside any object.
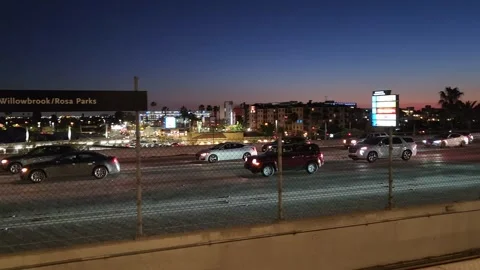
{"x":226,"y":114}
{"x":297,"y":117}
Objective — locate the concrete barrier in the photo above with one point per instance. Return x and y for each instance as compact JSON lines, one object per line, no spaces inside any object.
{"x":342,"y":242}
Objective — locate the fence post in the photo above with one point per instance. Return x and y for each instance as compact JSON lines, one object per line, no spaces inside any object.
{"x":280,"y":177}
{"x":390,"y":168}
{"x":137,"y":169}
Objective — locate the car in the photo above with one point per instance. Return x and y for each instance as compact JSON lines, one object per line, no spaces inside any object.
{"x":378,"y":147}
{"x":294,"y":157}
{"x":447,"y":140}
{"x":74,"y":164}
{"x":285,"y":140}
{"x":469,"y":136}
{"x":14,"y":164}
{"x":350,"y":140}
{"x":226,"y":151}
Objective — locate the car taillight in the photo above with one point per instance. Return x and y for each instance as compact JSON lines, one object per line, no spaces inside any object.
{"x":254,"y":148}
{"x":115,"y":160}
{"x":321,"y":155}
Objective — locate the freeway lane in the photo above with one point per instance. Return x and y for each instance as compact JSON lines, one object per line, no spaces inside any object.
{"x":190,"y":197}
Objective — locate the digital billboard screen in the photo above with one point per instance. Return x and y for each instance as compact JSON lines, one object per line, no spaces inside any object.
{"x":170,"y":122}
{"x":384,"y":110}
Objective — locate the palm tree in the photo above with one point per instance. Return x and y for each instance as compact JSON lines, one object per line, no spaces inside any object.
{"x":468,"y":110}
{"x":450,"y":102}
{"x":201,"y":108}
{"x":164,"y":110}
{"x":209,"y":108}
{"x":184,"y":114}
{"x":153,"y":104}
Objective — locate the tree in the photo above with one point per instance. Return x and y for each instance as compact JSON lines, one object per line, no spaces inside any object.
{"x":209,"y":108}
{"x":164,"y":110}
{"x":469,"y":110}
{"x":450,"y":102}
{"x":119,"y":116}
{"x":36,"y":117}
{"x":184,"y":113}
{"x":268,"y":129}
{"x":201,"y":108}
{"x":153,"y":104}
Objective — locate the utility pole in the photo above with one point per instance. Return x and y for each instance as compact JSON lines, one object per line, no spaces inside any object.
{"x":138,"y":171}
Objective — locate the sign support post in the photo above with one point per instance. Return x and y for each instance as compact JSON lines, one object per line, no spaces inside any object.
{"x":280,"y":176}
{"x":390,"y":168}
{"x":385,"y":114}
{"x":137,"y":167}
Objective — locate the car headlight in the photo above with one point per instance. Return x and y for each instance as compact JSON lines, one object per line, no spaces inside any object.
{"x":344,"y":141}
{"x":437,"y":141}
{"x":354,"y":141}
{"x":203,"y":154}
{"x":424,"y":141}
{"x":4,"y":161}
{"x":364,"y":148}
{"x":24,"y":170}
{"x":255,"y":162}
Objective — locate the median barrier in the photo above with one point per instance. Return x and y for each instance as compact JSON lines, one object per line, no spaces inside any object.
{"x":372,"y":240}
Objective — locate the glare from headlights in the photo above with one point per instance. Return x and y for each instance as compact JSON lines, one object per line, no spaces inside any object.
{"x":203,"y":154}
{"x":4,"y":161}
{"x":364,"y":148}
{"x":24,"y":170}
{"x":437,"y":141}
{"x":354,"y":141}
{"x":345,"y":141}
{"x":255,"y":162}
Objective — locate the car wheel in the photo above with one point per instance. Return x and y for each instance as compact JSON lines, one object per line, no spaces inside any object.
{"x":100,"y":172}
{"x":246,"y":155}
{"x":15,"y":168}
{"x":37,"y":176}
{"x":212,"y":158}
{"x":312,"y":167}
{"x":372,"y":157}
{"x":268,"y":170}
{"x":462,"y":144}
{"x":406,"y":155}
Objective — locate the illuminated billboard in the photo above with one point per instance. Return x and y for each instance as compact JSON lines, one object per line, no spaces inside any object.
{"x":170,"y":122}
{"x":384,"y":109}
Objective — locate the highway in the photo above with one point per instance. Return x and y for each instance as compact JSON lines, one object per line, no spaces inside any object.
{"x":182,"y":195}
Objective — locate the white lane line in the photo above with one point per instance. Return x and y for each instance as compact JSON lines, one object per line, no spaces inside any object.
{"x":182,"y":205}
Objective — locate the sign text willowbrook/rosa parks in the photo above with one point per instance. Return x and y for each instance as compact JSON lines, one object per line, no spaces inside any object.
{"x":48,"y":101}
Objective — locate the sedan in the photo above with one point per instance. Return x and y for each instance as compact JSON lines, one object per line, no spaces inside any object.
{"x":76,"y":164}
{"x":227,"y":151}
{"x":14,"y":164}
{"x":447,"y":140}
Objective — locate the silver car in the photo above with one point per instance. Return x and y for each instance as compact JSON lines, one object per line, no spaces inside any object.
{"x":227,"y":151}
{"x":374,"y":148}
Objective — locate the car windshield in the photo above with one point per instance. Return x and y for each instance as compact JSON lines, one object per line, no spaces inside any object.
{"x":373,"y":141}
{"x":218,"y":146}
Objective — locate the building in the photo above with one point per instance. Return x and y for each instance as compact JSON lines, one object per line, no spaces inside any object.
{"x":154,"y":116}
{"x":227,"y":115}
{"x":297,"y":117}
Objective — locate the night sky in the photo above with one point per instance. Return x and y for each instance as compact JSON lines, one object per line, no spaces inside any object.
{"x":206,"y":52}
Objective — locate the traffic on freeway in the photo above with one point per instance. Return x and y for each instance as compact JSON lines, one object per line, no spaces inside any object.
{"x":182,"y":193}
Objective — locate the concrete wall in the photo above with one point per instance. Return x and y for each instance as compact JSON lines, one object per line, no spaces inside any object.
{"x":341,"y":242}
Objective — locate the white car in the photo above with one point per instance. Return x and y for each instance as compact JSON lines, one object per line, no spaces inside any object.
{"x":447,"y":140}
{"x":227,"y":151}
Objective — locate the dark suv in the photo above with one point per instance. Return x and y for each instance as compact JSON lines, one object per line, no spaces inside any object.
{"x":306,"y":156}
{"x":286,"y":140}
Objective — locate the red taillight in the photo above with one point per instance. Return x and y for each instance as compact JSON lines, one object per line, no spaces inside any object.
{"x":321,"y":155}
{"x":115,"y":160}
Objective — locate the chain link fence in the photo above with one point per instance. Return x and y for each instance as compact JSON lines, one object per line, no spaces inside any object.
{"x":191,"y":186}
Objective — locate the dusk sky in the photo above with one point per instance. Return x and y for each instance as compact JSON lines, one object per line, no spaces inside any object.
{"x":206,"y":52}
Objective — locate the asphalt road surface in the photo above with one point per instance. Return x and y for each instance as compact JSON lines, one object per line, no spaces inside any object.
{"x":181,"y":195}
